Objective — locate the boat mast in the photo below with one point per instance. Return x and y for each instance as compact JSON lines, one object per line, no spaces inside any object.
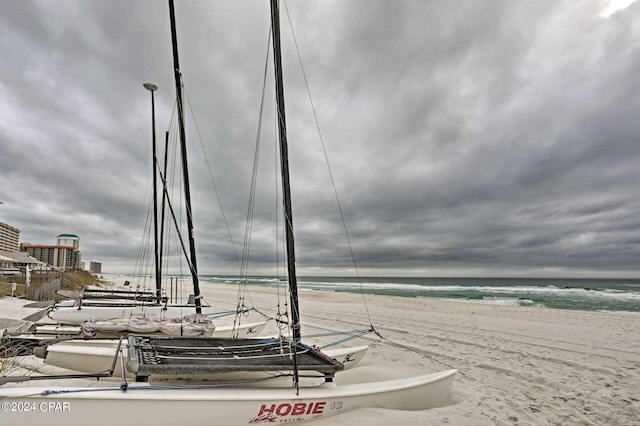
{"x":183,"y":151}
{"x":164,"y":200}
{"x":284,"y":165}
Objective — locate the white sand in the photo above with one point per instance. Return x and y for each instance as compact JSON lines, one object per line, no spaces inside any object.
{"x":13,"y":308}
{"x":517,"y":365}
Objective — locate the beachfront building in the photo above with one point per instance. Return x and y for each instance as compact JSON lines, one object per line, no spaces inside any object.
{"x":9,"y":237}
{"x":64,"y":258}
{"x":8,"y":265}
{"x":70,"y":240}
{"x":14,"y":262}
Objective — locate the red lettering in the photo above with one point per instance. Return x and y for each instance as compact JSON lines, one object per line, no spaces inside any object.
{"x":283,"y":409}
{"x":298,"y":409}
{"x":264,"y":409}
{"x":319,"y":408}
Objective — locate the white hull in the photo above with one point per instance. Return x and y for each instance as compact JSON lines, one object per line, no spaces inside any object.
{"x":146,"y":404}
{"x":94,"y":356}
{"x":245,"y":330}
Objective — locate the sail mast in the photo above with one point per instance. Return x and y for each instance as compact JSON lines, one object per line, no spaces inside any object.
{"x":164,"y":200}
{"x":284,"y":165}
{"x":183,"y":151}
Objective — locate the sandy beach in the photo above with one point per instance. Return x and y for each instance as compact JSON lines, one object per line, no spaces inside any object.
{"x":517,"y":365}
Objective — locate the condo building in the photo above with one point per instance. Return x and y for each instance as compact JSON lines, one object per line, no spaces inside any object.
{"x":9,"y":237}
{"x":65,"y":255}
{"x":68,"y":240}
{"x":95,"y":267}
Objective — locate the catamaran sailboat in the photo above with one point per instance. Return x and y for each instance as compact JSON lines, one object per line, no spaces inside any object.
{"x":155,"y":402}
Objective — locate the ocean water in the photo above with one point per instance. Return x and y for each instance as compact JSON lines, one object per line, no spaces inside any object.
{"x":617,"y":295}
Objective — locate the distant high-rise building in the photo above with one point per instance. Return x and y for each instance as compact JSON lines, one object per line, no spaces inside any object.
{"x":9,"y":237}
{"x":95,"y":267}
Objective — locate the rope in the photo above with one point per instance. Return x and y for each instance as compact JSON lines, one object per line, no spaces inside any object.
{"x":213,"y":181}
{"x":346,"y":339}
{"x":326,"y":157}
{"x":246,"y":247}
{"x":414,"y":350}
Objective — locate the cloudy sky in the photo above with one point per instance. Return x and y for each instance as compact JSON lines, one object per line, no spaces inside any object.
{"x":492,"y":138}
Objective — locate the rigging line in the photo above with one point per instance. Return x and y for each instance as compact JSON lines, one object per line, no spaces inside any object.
{"x":143,"y":250}
{"x":356,"y":333}
{"x":279,"y":239}
{"x":283,"y":292}
{"x":169,"y":169}
{"x":252,"y":191}
{"x":172,"y":236}
{"x":346,"y":339}
{"x":267,"y":317}
{"x":176,"y":188}
{"x":142,"y":254}
{"x":246,"y":247}
{"x":175,"y":221}
{"x":326,"y":157}
{"x":215,"y":187}
{"x":415,"y":350}
{"x":176,"y":185}
{"x":168,"y":183}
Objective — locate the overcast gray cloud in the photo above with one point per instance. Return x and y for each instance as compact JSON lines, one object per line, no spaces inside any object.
{"x":465,"y":138}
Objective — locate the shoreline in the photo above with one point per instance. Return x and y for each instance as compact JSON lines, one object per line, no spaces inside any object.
{"x":612,"y":296}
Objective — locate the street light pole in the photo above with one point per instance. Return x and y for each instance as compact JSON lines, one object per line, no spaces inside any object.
{"x":152,"y":88}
